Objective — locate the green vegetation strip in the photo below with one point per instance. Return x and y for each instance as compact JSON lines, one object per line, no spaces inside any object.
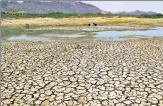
{"x":76,"y":15}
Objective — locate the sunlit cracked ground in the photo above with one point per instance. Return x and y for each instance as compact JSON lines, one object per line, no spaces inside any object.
{"x":82,"y":73}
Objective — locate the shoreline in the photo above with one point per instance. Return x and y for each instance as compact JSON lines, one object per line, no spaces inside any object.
{"x":87,"y":39}
{"x":87,"y":28}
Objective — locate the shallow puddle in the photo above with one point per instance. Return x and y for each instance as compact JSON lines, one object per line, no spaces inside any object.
{"x":25,"y":37}
{"x":18,"y":34}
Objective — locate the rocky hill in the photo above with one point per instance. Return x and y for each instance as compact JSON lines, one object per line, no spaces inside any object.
{"x":137,"y":12}
{"x":49,"y":7}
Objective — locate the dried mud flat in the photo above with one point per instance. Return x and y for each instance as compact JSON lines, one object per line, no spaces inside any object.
{"x":82,"y":73}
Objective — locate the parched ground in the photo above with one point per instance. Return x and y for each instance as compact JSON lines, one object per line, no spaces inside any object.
{"x":81,"y":21}
{"x":82,"y":73}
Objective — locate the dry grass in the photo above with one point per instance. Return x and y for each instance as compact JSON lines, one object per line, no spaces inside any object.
{"x":81,"y":21}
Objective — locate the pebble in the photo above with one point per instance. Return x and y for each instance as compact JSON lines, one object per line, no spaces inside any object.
{"x":70,"y":103}
{"x":45,"y":103}
{"x":82,"y":100}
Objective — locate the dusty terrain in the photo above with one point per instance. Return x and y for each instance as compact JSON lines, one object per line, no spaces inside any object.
{"x":81,"y":21}
{"x":82,"y":73}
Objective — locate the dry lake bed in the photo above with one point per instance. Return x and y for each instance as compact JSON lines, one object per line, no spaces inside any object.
{"x":82,"y":72}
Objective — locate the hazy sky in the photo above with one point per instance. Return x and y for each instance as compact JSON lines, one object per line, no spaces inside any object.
{"x":115,"y":6}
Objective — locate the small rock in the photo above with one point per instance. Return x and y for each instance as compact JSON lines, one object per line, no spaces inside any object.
{"x":15,"y":104}
{"x":127,"y":102}
{"x":36,"y":95}
{"x":82,"y":100}
{"x":45,"y":103}
{"x":70,"y":103}
{"x":37,"y":102}
{"x":105,"y":103}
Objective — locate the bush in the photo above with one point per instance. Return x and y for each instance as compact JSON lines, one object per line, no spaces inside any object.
{"x":150,"y":16}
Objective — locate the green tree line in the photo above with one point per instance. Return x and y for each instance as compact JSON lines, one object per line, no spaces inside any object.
{"x":150,"y":16}
{"x":76,"y":15}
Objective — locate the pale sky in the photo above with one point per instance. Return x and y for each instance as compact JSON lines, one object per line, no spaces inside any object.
{"x":118,"y":6}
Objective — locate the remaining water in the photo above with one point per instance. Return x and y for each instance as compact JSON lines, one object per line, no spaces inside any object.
{"x":109,"y":35}
{"x":62,"y":35}
{"x":25,"y":37}
{"x":118,"y":26}
{"x":158,"y":32}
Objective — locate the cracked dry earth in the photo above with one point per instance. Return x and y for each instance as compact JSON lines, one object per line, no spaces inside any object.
{"x":82,"y":73}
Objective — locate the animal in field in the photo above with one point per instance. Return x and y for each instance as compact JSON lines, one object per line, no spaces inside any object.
{"x":92,"y":24}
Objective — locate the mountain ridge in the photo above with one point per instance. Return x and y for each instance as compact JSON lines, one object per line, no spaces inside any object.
{"x":49,"y":7}
{"x":60,"y":6}
{"x":137,"y":12}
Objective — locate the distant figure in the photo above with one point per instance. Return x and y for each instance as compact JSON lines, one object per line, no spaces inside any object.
{"x":27,"y":26}
{"x":93,"y":24}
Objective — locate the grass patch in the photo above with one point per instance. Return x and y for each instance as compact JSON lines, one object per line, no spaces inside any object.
{"x":5,"y":31}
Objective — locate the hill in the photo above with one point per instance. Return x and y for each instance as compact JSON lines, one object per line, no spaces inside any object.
{"x":49,"y":7}
{"x":137,"y":12}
